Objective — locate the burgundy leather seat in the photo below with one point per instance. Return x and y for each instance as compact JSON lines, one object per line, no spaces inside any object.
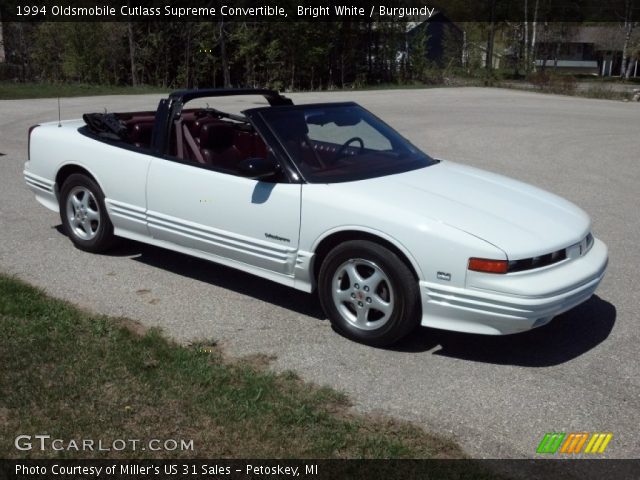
{"x":140,"y":134}
{"x":250,"y":144}
{"x":217,"y":146}
{"x":195,"y":127}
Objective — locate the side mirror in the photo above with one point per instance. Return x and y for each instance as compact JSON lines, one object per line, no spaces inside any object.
{"x":258,"y":168}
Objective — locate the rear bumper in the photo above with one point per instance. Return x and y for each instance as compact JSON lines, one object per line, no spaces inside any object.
{"x":44,"y":189}
{"x":498,"y":313}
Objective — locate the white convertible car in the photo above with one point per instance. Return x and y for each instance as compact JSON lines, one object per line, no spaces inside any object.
{"x":327,"y":197}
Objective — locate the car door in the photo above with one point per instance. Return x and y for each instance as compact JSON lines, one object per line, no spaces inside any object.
{"x":226,"y":216}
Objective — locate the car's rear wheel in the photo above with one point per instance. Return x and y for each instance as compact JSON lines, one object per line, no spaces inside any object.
{"x":368,"y":293}
{"x":83,"y":214}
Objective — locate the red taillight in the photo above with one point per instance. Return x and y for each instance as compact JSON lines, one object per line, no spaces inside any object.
{"x":488,"y":266}
{"x":31,"y":128}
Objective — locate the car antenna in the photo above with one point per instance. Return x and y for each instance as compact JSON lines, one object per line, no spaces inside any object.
{"x":59,"y":122}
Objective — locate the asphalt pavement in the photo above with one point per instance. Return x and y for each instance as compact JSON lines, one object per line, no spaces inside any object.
{"x":496,"y":396}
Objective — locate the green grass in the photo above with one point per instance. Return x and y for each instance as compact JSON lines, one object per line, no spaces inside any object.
{"x":75,"y":375}
{"x":15,"y":91}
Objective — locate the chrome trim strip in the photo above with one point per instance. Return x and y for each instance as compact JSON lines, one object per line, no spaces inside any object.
{"x":226,"y":240}
{"x":38,"y":182}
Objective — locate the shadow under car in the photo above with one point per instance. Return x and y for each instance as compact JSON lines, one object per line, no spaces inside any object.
{"x":564,"y":338}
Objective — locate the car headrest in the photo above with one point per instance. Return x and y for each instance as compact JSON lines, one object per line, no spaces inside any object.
{"x":141,"y":133}
{"x":216,"y":136}
{"x":197,"y":125}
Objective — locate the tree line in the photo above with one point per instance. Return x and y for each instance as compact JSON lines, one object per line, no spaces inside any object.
{"x":283,"y":56}
{"x":298,"y":56}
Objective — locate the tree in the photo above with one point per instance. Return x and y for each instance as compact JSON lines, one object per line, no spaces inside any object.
{"x":418,"y":51}
{"x":132,"y":55}
{"x":2,"y":56}
{"x":222,"y":40}
{"x":628,"y":26}
{"x":530,"y":40}
{"x":491,"y":35}
{"x":532,"y":46}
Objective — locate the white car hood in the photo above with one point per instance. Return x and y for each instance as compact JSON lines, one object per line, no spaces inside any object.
{"x":520,"y":219}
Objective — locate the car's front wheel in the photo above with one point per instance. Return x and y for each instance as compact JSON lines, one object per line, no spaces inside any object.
{"x":83,"y":214}
{"x":368,"y":293}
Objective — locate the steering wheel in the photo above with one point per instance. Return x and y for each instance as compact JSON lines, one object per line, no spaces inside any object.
{"x":340,"y":153}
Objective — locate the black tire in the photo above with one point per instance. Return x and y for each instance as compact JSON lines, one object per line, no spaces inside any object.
{"x":99,"y":233}
{"x":398,"y":293}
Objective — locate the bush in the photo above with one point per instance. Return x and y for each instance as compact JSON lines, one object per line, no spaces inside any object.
{"x":491,"y":78}
{"x":539,"y":79}
{"x":554,"y":83}
{"x":565,"y":84}
{"x":10,"y":72}
{"x":432,"y":76}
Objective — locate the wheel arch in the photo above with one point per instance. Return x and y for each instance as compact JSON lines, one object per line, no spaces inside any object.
{"x":68,"y":169}
{"x":333,"y":238}
{"x":103,"y":237}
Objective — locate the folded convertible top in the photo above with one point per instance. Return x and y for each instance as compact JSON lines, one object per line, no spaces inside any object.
{"x":106,"y":125}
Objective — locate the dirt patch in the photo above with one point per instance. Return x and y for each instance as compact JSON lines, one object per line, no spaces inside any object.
{"x":260,"y":361}
{"x":133,"y":326}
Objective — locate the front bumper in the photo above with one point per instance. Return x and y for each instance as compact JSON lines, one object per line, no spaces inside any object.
{"x":499,"y":313}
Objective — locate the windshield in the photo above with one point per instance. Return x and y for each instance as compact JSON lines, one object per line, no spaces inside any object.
{"x":341,"y":143}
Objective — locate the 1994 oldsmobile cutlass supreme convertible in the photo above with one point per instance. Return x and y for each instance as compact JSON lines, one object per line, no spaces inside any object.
{"x":322,"y":196}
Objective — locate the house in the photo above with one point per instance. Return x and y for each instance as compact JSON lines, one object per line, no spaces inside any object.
{"x":443,"y":39}
{"x":479,"y":50}
{"x":590,"y":49}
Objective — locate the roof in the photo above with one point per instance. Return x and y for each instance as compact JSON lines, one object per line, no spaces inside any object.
{"x":437,"y":16}
{"x":603,"y":37}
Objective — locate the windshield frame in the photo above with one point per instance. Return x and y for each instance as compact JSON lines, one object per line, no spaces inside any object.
{"x":257,"y":115}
